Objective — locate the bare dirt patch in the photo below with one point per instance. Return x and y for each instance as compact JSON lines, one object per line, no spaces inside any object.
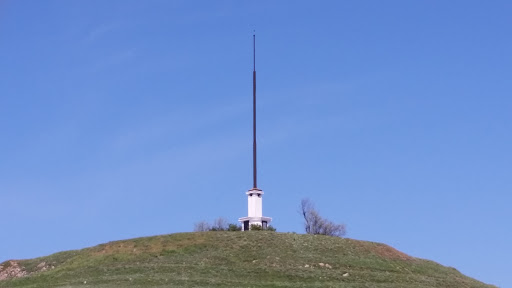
{"x":12,"y":269}
{"x":389,"y":252}
{"x":382,"y":250}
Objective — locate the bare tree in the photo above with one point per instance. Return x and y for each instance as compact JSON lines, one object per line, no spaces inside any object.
{"x":220,"y":224}
{"x":202,"y":226}
{"x":315,"y":224}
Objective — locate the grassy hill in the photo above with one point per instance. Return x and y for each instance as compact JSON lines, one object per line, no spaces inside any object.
{"x":234,"y":259}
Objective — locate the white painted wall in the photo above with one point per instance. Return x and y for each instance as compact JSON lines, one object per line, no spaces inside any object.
{"x":254,"y":203}
{"x":258,"y":205}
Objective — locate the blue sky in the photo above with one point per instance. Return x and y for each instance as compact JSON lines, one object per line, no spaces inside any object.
{"x":121,"y":119}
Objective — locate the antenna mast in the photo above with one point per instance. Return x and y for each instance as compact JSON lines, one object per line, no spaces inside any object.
{"x":254,"y":112}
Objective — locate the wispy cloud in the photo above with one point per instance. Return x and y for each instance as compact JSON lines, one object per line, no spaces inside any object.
{"x":100,"y":31}
{"x":115,"y":59}
{"x":123,"y":55}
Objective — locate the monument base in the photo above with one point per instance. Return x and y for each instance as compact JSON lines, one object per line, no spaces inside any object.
{"x":248,"y":221}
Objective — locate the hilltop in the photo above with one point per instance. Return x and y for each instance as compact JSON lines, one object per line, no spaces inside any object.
{"x":233,"y":259}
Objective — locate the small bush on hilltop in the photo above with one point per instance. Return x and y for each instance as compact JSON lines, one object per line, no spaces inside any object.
{"x":202,"y":226}
{"x":256,"y":227}
{"x":219,"y":224}
{"x":234,"y":227}
{"x":271,"y":228}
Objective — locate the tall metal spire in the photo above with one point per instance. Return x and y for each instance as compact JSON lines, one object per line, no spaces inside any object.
{"x":254,"y":113}
{"x":254,"y":195}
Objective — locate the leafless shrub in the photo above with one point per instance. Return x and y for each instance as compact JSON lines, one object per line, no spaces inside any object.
{"x":220,"y":224}
{"x":315,"y":224}
{"x":202,"y":226}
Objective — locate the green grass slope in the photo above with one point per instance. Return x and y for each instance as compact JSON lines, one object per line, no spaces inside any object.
{"x":236,"y":259}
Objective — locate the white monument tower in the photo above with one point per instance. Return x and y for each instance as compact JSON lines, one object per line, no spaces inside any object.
{"x":255,"y":206}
